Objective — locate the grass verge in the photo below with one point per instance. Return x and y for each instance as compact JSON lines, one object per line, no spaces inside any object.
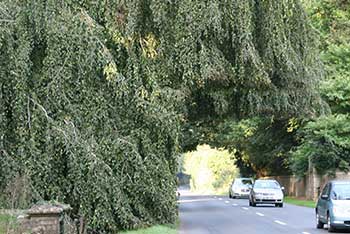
{"x":160,"y":229}
{"x":5,"y":222}
{"x":300,"y":202}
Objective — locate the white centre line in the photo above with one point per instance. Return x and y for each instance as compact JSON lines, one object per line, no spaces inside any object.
{"x":227,"y":202}
{"x":220,"y":199}
{"x":235,"y":204}
{"x":260,"y":214}
{"x":306,"y":232}
{"x":279,"y":222}
{"x":245,"y":208}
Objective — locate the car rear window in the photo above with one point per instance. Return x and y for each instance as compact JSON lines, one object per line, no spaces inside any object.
{"x":247,"y":182}
{"x":266,"y":184}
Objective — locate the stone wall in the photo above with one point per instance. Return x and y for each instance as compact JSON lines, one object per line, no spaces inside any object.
{"x":293,"y":186}
{"x":308,"y":187}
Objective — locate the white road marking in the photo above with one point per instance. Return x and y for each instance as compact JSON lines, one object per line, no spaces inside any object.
{"x":227,"y":202}
{"x":220,"y":199}
{"x":245,"y":208}
{"x":260,"y":214}
{"x":235,"y":204}
{"x":279,"y":222}
{"x":195,"y":200}
{"x":306,"y":232}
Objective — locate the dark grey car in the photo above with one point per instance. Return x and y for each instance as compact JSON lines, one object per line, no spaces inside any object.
{"x":333,"y":206}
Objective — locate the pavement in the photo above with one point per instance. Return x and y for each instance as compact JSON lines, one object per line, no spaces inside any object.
{"x":220,"y":215}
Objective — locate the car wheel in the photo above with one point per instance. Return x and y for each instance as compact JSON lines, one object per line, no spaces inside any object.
{"x":281,"y":205}
{"x":319,"y":224}
{"x":330,"y":227}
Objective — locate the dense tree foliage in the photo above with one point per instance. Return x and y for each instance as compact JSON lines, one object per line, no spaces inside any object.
{"x":287,"y":145}
{"x":325,"y":141}
{"x":261,"y":146}
{"x":94,"y":93}
{"x":332,"y":20}
{"x":84,"y":114}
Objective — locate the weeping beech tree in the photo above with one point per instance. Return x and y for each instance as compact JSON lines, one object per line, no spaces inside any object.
{"x":94,"y":93}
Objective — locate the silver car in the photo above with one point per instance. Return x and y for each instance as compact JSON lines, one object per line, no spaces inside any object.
{"x":333,"y":206}
{"x":266,"y":192}
{"x":240,"y":188}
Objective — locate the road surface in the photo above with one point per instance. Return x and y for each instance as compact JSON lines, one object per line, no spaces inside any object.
{"x":221,"y":215}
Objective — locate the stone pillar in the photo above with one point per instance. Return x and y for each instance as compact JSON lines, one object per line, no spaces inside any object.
{"x":317,"y":184}
{"x":45,"y":219}
{"x":313,"y":185}
{"x":309,"y":182}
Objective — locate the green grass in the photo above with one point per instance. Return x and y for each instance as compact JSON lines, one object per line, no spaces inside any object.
{"x":153,"y":230}
{"x":5,"y":221}
{"x":300,"y":202}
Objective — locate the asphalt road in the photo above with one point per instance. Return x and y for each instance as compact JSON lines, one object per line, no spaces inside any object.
{"x":221,"y":215}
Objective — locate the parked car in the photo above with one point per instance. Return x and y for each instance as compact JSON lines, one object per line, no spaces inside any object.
{"x":266,"y":192}
{"x":240,"y":188}
{"x":333,"y":206}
